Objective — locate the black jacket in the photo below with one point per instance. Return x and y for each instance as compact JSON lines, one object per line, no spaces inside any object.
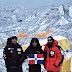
{"x":13,"y":55}
{"x":33,"y":50}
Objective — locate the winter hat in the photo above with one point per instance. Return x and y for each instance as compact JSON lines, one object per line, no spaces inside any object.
{"x":13,"y":37}
{"x":34,"y":39}
{"x":37,"y":41}
{"x":50,"y":38}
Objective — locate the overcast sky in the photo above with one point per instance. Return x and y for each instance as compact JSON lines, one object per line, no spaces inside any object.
{"x":33,"y":3}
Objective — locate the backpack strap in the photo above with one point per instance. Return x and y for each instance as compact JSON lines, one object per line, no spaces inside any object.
{"x":61,"y":50}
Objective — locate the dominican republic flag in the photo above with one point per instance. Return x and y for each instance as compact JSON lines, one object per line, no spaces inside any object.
{"x":35,"y":58}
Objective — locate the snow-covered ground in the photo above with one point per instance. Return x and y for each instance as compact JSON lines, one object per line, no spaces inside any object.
{"x":16,"y":20}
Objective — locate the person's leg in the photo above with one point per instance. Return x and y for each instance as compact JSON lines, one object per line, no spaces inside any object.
{"x":20,"y":69}
{"x":31,"y":69}
{"x":11,"y":70}
{"x":34,"y":68}
{"x":38,"y":68}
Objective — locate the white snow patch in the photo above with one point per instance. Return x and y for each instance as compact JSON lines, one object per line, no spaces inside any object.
{"x":61,"y":10}
{"x":14,"y":17}
{"x":63,"y":21}
{"x":30,"y":18}
{"x":70,"y":11}
{"x":42,"y":27}
{"x":43,"y":22}
{"x":43,"y":41}
{"x":59,"y":37}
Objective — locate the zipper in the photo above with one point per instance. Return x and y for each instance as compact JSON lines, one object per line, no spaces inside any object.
{"x":48,"y":56}
{"x":48,"y":50}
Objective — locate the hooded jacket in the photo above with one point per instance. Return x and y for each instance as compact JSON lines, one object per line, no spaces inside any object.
{"x":34,"y":50}
{"x":13,"y":55}
{"x":53,"y":57}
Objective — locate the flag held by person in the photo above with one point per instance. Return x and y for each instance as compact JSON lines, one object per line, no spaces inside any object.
{"x":35,"y":59}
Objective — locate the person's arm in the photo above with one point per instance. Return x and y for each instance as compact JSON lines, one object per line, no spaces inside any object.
{"x":41,"y":51}
{"x":58,"y":58}
{"x":23,"y":56}
{"x":7,"y":57}
{"x":45,"y":54}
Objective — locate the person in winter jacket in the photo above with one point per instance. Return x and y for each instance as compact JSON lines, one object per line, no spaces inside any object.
{"x":13,"y":55}
{"x":34,"y":48}
{"x":53,"y":55}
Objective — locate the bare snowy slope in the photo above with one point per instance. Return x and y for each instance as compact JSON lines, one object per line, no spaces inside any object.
{"x":31,"y":21}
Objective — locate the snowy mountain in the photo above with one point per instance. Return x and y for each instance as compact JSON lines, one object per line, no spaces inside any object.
{"x":31,"y":21}
{"x":17,"y":20}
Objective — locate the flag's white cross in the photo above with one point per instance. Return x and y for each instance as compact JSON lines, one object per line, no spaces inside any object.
{"x":35,"y":58}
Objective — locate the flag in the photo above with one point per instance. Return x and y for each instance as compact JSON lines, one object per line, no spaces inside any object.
{"x":35,"y":59}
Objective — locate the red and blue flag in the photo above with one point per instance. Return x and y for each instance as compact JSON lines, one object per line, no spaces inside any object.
{"x":35,"y":58}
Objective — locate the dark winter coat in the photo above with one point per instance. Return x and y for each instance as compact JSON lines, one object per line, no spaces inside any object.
{"x":13,"y":55}
{"x":34,"y":67}
{"x":34,"y":50}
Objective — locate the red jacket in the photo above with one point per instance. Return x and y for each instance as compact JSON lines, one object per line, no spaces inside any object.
{"x":53,"y":58}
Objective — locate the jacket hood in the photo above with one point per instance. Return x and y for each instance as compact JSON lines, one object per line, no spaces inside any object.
{"x":54,"y":43}
{"x":37,"y":41}
{"x":9,"y":43}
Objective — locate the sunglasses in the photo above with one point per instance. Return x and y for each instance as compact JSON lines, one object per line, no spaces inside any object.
{"x":49,"y":40}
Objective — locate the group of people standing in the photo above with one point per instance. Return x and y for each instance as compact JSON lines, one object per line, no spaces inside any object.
{"x":14,"y":56}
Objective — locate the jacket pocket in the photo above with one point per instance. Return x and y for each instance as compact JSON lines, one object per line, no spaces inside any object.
{"x":52,"y":67}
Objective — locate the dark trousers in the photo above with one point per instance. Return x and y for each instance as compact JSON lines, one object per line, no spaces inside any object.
{"x":35,"y":68}
{"x":18,"y":69}
{"x":51,"y":71}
